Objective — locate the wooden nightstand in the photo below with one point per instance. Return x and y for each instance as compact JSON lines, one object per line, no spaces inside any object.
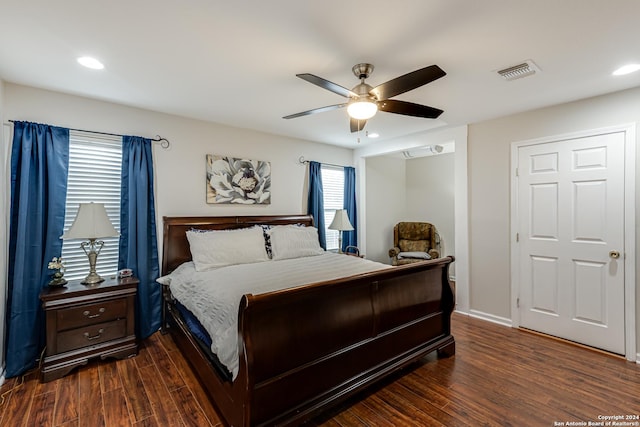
{"x":84,"y":322}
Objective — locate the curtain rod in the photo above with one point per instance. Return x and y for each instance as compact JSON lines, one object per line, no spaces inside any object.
{"x":302,"y":161}
{"x":164,"y":142}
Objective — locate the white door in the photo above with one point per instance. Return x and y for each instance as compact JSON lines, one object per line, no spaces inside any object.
{"x":571,"y":232}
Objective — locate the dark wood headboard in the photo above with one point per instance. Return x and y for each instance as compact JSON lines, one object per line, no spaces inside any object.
{"x":175,"y":247}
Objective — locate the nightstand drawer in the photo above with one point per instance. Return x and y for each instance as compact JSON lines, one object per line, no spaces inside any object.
{"x":90,"y":314}
{"x":90,"y":335}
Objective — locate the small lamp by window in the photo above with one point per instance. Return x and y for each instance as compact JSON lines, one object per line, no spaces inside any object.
{"x":91,"y":224}
{"x":341,"y":223}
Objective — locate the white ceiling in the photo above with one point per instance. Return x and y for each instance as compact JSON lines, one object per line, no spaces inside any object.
{"x":234,"y":62}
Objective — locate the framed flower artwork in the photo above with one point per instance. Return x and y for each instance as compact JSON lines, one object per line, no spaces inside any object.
{"x":240,"y":181}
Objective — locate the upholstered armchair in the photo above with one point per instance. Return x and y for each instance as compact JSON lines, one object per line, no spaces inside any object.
{"x":413,"y":242}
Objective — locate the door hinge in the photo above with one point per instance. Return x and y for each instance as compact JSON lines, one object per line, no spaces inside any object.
{"x":518,"y":302}
{"x":517,"y":237}
{"x":517,"y":172}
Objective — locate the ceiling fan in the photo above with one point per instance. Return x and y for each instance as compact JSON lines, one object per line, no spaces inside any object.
{"x":365,"y":101}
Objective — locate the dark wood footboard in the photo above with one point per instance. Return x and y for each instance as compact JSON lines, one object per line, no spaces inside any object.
{"x":308,"y":348}
{"x":314,"y":346}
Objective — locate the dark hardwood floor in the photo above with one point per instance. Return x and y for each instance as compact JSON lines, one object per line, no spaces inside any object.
{"x":498,"y":377}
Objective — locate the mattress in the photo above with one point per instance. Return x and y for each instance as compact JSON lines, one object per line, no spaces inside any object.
{"x":202,"y":338}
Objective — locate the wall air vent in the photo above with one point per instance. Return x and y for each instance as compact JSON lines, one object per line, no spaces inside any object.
{"x":525,"y":69}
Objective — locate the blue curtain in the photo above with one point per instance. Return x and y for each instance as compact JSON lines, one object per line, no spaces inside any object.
{"x":39,"y":168}
{"x":315,"y":205}
{"x":350,"y":238}
{"x":138,"y":244}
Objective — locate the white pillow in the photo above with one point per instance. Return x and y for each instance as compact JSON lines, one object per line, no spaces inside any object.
{"x":292,"y":241}
{"x":415,"y":255}
{"x":218,"y":248}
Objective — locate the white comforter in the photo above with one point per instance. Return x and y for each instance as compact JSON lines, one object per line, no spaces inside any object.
{"x":214,"y":296}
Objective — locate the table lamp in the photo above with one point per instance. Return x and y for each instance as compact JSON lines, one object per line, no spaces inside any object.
{"x":91,"y":224}
{"x":341,"y":223}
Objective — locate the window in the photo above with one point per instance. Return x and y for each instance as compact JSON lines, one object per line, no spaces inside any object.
{"x":95,"y":163}
{"x":333,"y":189}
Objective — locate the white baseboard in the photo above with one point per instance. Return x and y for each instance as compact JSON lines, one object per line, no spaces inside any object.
{"x":2,"y":377}
{"x":491,"y":318}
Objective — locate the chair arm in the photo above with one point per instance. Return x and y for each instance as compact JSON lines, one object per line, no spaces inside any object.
{"x":393,"y":252}
{"x":434,"y":253}
{"x":352,"y":250}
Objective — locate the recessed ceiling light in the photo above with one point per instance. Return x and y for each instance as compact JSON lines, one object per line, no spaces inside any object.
{"x":627,"y":69}
{"x":373,"y":134}
{"x":90,"y":62}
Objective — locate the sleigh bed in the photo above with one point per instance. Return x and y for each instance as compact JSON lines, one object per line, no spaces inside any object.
{"x":306,"y":348}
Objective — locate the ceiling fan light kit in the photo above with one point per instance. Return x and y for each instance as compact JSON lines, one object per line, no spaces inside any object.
{"x":365,"y":101}
{"x":360,"y":109}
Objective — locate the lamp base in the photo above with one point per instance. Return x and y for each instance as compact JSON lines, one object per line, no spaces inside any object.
{"x":92,"y":279}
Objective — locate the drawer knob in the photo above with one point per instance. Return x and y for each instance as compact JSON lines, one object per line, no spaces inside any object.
{"x":94,"y":337}
{"x":93,"y":316}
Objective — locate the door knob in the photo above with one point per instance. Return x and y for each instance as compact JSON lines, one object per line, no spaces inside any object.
{"x":614,"y":254}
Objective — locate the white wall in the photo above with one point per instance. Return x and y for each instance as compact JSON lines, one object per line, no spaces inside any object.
{"x":386,"y":204}
{"x":180,"y":170}
{"x":489,"y":177}
{"x":430,"y":186}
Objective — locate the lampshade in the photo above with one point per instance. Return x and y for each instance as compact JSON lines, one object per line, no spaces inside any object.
{"x":362,"y":109}
{"x":341,"y":221}
{"x":91,"y":222}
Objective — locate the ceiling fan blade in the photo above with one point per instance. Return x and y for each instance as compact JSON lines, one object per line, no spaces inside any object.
{"x":409,"y":109}
{"x":356,"y":125}
{"x":326,"y":84}
{"x":315,"y":110}
{"x":407,"y":82}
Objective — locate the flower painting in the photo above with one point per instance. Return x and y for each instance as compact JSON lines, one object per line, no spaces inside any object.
{"x":241,"y":181}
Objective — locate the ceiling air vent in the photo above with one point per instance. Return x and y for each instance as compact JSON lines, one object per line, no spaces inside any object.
{"x":525,"y":69}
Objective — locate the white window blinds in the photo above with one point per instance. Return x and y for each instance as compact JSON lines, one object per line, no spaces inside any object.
{"x":95,"y":163}
{"x":333,"y":189}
